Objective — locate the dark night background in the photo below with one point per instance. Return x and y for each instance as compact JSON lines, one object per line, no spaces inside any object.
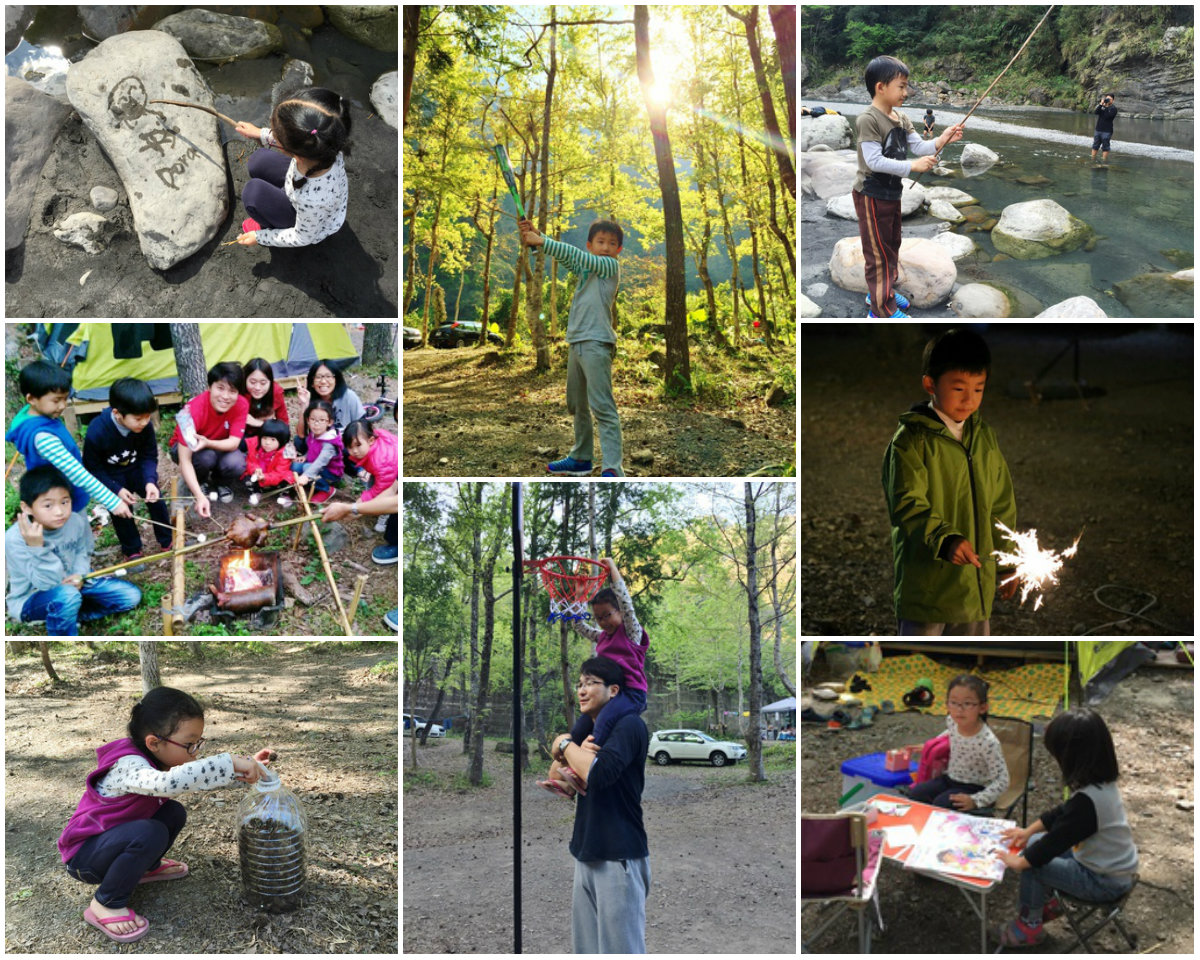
{"x":1119,"y":462}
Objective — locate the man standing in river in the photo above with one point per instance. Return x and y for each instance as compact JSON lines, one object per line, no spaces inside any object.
{"x":1104,"y":128}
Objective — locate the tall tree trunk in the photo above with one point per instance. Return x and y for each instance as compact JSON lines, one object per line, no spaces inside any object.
{"x":410,"y":272}
{"x":412,"y":27}
{"x":44,"y":646}
{"x":568,"y":688}
{"x":776,"y":607}
{"x":148,"y":654}
{"x":379,"y":343}
{"x":189,"y":359}
{"x":533,"y":308}
{"x":787,"y":172}
{"x":678,"y":370}
{"x":433,"y":242}
{"x":783,"y":19}
{"x":754,"y":738}
{"x":487,"y":581}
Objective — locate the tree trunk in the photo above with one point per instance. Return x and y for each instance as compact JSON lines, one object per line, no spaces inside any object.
{"x":410,"y":272}
{"x":754,"y":738}
{"x":678,"y":372}
{"x":433,"y":242}
{"x":379,"y":343}
{"x":197,"y":648}
{"x":776,"y":607}
{"x":412,"y":26}
{"x":189,"y":359}
{"x":148,"y":654}
{"x":568,"y":688}
{"x":533,"y":307}
{"x":44,"y":645}
{"x":483,"y":702}
{"x":474,"y":499}
{"x":783,"y":18}
{"x":437,"y":706}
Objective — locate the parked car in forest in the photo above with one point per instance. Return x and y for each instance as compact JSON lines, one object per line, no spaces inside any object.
{"x":416,"y":723}
{"x":412,"y":337}
{"x":460,"y":334}
{"x":675,"y":746}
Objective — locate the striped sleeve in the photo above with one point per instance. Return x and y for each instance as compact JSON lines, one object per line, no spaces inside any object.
{"x":586,"y":630}
{"x":50,"y":447}
{"x":629,"y":619}
{"x":580,"y":260}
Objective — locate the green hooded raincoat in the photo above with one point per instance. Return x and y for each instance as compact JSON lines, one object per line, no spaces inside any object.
{"x":936,"y":488}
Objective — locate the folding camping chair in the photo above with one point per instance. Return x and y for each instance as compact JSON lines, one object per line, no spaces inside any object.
{"x":1016,"y":739}
{"x":839,"y":863}
{"x":1076,"y":911}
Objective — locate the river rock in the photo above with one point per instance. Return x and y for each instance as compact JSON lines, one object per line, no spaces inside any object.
{"x":833,"y":179}
{"x":297,"y":74}
{"x":808,"y":309}
{"x":1159,"y":294}
{"x":842,"y":206}
{"x":1077,"y":308}
{"x":384,"y":99}
{"x":100,"y":23}
{"x":980,"y":300}
{"x":88,"y":230}
{"x":170,"y":163}
{"x":31,"y":122}
{"x":945,"y":210}
{"x":378,"y":27}
{"x":958,"y":246}
{"x":976,"y":159}
{"x":926,"y":274}
{"x":207,"y":35}
{"x":1038,"y":228}
{"x":104,"y":198}
{"x":833,"y":130}
{"x":959,"y":198}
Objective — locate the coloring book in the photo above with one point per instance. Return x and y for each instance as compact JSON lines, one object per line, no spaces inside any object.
{"x":961,"y":844}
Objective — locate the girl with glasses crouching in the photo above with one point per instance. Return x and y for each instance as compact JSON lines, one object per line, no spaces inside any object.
{"x":126,"y":820}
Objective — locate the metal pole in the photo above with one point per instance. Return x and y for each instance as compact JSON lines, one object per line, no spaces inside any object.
{"x":518,"y":738}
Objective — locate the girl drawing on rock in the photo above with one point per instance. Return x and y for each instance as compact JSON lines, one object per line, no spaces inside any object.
{"x":302,"y":200}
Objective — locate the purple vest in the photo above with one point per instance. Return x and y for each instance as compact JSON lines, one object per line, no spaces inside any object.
{"x":95,"y":813}
{"x":632,"y":657}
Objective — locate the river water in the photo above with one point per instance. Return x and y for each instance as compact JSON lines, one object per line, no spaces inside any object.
{"x":1141,"y":204}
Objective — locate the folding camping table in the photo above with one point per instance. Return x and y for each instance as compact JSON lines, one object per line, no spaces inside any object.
{"x":916,"y":817}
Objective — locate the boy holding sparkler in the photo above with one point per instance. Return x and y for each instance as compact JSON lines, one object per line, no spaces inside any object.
{"x":945,"y":480}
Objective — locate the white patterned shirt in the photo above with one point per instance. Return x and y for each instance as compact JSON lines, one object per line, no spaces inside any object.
{"x":978,"y":759}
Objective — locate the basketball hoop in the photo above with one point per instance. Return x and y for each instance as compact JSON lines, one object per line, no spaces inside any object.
{"x":571,"y":583}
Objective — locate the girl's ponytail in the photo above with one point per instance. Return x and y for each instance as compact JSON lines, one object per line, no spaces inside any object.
{"x":313,"y":123}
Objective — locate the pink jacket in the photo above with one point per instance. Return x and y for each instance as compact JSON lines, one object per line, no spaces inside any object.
{"x":383,"y":463}
{"x":935,"y":758}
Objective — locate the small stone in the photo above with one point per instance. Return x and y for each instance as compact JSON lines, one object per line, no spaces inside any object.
{"x":645,"y":455}
{"x":104,"y":198}
{"x":1185,"y":805}
{"x":444,"y":461}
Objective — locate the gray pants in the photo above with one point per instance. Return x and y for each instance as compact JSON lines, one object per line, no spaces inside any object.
{"x":608,"y":906}
{"x":589,"y":394}
{"x":914,"y":628}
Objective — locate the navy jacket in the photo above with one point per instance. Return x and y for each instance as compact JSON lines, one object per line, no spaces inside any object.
{"x":608,"y":821}
{"x":117,"y":461}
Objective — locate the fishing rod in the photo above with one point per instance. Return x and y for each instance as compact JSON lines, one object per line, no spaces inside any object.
{"x":997,"y":80}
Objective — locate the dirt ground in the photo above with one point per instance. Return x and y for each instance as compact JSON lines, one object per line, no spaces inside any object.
{"x":380,"y":594}
{"x":473,"y":414}
{"x":332,"y":721}
{"x":1151,"y":716}
{"x":722,"y":859}
{"x":1121,"y":464}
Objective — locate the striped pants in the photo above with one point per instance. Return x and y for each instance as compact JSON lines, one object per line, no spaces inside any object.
{"x":879,"y":227}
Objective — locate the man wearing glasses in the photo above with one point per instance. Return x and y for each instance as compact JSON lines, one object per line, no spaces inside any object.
{"x":612,"y":857}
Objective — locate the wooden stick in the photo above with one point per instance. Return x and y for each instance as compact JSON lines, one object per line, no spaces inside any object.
{"x":168,"y":623}
{"x":337,"y":597}
{"x":198,"y":106}
{"x":154,"y":556}
{"x":359,"y":583}
{"x":178,"y":591}
{"x":1002,"y":73}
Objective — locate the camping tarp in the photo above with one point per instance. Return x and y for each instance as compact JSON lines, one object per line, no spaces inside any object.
{"x":290,"y":348}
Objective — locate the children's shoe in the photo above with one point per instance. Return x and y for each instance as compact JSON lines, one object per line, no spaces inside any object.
{"x":1052,"y":910}
{"x":570,"y":467}
{"x":392,"y":619}
{"x":1019,"y":934}
{"x":608,"y":473}
{"x":249,"y":225}
{"x":133,"y":559}
{"x":385,"y":554}
{"x":556,"y":788}
{"x":320,"y":496}
{"x":224,"y":494}
{"x":898,"y":315}
{"x":901,"y":300}
{"x":284,"y":500}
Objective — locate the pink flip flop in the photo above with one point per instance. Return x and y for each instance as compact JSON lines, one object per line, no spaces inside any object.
{"x":574,"y":780}
{"x":553,"y":786}
{"x":102,"y":924}
{"x":153,"y":876}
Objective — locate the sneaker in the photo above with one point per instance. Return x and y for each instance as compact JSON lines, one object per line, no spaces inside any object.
{"x":133,"y":559}
{"x":320,"y":496}
{"x":901,"y":301}
{"x":1019,"y":934}
{"x":249,"y":225}
{"x":385,"y":554}
{"x":608,"y":473}
{"x":898,"y":315}
{"x":381,"y":525}
{"x":392,"y":619}
{"x":1052,"y":909}
{"x":570,"y":467}
{"x":224,"y":494}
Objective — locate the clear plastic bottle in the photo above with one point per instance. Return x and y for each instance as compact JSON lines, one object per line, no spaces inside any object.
{"x":272,"y":837}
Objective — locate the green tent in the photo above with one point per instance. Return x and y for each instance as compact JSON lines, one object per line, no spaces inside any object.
{"x":291,"y":348}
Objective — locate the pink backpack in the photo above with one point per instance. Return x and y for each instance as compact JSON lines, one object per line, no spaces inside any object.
{"x":935,"y":758}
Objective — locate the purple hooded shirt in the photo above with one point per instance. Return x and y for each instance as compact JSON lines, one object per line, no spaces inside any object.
{"x":631,"y":656}
{"x":95,"y":813}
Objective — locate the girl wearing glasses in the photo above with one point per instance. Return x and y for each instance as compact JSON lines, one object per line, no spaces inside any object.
{"x":977,"y":773}
{"x":125,"y":821}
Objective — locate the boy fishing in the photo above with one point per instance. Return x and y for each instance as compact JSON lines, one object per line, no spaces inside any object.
{"x":884,"y":138}
{"x":593,"y":344}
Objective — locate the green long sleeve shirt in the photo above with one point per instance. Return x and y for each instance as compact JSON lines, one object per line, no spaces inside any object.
{"x":936,"y":488}
{"x":591,"y":315}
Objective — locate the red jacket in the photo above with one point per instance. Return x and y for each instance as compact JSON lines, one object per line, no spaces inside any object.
{"x":275,"y":467}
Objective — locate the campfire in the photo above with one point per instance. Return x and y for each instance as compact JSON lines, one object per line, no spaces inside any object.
{"x":248,"y":583}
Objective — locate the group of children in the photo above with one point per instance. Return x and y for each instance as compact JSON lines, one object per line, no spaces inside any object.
{"x":237,"y":431}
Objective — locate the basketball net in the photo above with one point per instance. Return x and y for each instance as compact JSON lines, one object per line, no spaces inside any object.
{"x":571,"y":583}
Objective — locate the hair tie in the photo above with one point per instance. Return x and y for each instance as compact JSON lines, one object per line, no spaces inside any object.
{"x":313,"y":132}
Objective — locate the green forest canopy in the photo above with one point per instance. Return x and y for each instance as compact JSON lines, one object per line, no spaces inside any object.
{"x":483,"y":75}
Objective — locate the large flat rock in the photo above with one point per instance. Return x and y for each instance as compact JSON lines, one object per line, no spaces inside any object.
{"x":169,"y":158}
{"x":31,"y":122}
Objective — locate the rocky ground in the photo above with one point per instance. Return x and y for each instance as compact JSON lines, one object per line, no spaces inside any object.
{"x":1150,"y":715}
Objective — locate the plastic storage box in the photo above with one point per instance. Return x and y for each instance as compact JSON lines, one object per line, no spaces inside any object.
{"x":869,"y":771}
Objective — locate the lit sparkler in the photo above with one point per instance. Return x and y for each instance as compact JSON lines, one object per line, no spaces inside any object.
{"x":1036,"y":568}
